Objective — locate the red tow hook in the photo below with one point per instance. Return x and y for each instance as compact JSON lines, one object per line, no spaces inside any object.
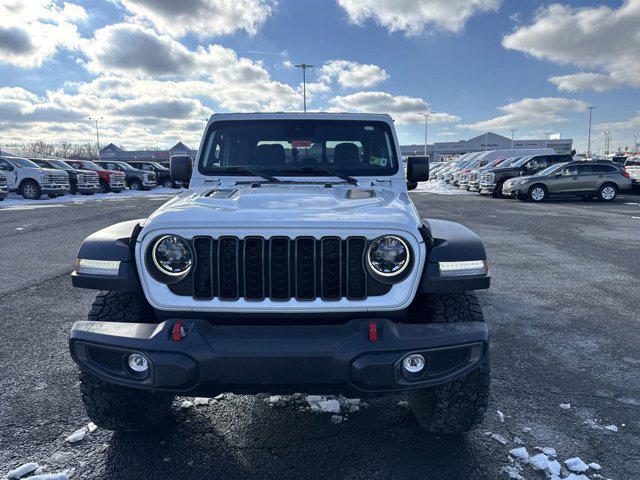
{"x":178,"y":333}
{"x":373,"y":332}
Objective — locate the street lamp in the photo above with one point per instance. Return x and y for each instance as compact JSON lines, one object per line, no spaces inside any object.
{"x":95,"y":119}
{"x":513,"y":131}
{"x":635,"y":137}
{"x":426,"y":131}
{"x":591,"y":109}
{"x":304,"y":67}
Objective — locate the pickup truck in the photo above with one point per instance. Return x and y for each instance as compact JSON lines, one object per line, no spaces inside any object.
{"x":31,"y":181}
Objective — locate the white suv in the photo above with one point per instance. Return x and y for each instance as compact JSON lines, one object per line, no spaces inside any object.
{"x":296,"y":263}
{"x":31,"y":181}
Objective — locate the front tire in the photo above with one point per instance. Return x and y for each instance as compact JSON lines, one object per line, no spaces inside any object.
{"x":30,"y":190}
{"x":167,"y":183}
{"x":111,"y":406}
{"x":135,"y":185}
{"x":458,"y":406}
{"x":607,"y":192}
{"x":538,"y":193}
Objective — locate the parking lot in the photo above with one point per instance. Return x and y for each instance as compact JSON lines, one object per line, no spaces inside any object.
{"x":562,"y":311}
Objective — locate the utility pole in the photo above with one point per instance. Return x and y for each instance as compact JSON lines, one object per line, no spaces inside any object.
{"x":607,"y":142}
{"x":97,"y":133}
{"x":513,"y":131}
{"x":426,"y":131}
{"x":635,"y":137}
{"x":304,"y":67}
{"x":591,"y":109}
{"x":546,"y":138}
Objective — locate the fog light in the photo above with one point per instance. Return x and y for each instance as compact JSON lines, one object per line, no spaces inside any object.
{"x":138,"y":363}
{"x":413,"y":363}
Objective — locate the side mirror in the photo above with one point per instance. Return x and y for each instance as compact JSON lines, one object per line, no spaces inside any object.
{"x":417,"y":169}
{"x":181,"y":167}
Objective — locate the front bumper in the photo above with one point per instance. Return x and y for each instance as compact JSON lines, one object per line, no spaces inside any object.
{"x":487,"y":188}
{"x":88,"y":188}
{"x":474,"y":186}
{"x":55,"y":189}
{"x":149,"y":185}
{"x":297,"y":358}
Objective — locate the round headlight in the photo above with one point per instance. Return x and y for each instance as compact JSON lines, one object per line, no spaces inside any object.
{"x":388,"y":256}
{"x":172,"y":256}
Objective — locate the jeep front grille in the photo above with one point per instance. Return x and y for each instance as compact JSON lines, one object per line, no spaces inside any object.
{"x":279,"y":268}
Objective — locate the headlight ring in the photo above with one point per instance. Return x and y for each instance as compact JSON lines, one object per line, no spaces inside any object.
{"x":388,"y":259}
{"x":170,"y":258}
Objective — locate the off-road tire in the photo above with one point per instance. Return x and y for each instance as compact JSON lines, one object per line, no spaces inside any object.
{"x":135,"y":185}
{"x":459,"y":406}
{"x":168,"y":184}
{"x":497,"y":191}
{"x":114,"y":407}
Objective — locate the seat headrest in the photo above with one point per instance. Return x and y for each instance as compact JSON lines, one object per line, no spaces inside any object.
{"x":346,"y":152}
{"x":270,"y":154}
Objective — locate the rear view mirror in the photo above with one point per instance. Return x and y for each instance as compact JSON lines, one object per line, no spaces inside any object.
{"x":417,"y":169}
{"x":181,"y":167}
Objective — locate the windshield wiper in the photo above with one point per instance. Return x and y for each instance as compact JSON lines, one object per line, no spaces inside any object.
{"x":250,"y":173}
{"x":320,"y":171}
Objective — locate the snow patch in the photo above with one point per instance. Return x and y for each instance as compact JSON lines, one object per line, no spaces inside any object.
{"x":512,"y":472}
{"x":22,"y":470}
{"x":499,"y":438}
{"x":520,"y":453}
{"x":594,"y":466}
{"x":440,"y":187}
{"x":549,"y":451}
{"x":613,"y":428}
{"x":573,"y":476}
{"x":576,"y":465}
{"x":565,"y":406}
{"x":539,"y":461}
{"x":186,"y":404}
{"x":500,"y":415}
{"x":200,"y":401}
{"x":77,"y":436}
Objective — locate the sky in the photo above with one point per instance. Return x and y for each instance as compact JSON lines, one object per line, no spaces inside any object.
{"x":153,"y":71}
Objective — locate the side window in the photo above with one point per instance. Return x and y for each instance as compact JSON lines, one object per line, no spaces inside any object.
{"x":587,"y":169}
{"x":570,"y":171}
{"x":4,"y":165}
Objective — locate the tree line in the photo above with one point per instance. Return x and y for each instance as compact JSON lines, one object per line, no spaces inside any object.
{"x":79,"y":151}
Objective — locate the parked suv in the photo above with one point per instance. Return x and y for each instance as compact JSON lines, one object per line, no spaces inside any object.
{"x":136,"y":179}
{"x":32,"y":181}
{"x":296,"y":263}
{"x":4,"y":189}
{"x":163,"y":174}
{"x":80,"y":181}
{"x":474,"y":175}
{"x":586,"y":179}
{"x":110,"y":180}
{"x":491,"y":180}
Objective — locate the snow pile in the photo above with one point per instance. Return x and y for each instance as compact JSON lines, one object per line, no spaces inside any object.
{"x":16,"y":202}
{"x":576,"y":465}
{"x":28,"y":468}
{"x":79,"y":434}
{"x":565,"y":406}
{"x":22,"y":470}
{"x":440,"y":187}
{"x":338,"y":406}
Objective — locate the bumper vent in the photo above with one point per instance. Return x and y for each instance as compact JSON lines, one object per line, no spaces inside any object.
{"x":279,"y":268}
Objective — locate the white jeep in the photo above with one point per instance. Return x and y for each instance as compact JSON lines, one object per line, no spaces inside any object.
{"x":31,"y":181}
{"x":295,"y":263}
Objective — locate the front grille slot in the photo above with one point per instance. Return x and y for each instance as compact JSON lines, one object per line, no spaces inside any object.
{"x":279,"y":268}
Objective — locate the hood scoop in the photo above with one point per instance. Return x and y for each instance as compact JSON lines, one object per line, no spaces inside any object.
{"x":220,"y":193}
{"x":353,"y":194}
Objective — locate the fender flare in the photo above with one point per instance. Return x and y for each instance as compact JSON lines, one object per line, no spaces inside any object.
{"x":451,"y":242}
{"x":115,"y":243}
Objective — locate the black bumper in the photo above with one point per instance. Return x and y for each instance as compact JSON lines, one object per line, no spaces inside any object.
{"x":254,"y":359}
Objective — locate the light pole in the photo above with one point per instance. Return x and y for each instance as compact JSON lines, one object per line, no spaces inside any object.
{"x":546,"y":138}
{"x":513,"y":131}
{"x":97,"y":133}
{"x":304,"y":67}
{"x":607,"y":142}
{"x":635,"y":137}
{"x":426,"y":131}
{"x":591,"y":109}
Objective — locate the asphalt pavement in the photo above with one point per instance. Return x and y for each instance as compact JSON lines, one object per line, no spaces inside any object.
{"x":563,"y":310}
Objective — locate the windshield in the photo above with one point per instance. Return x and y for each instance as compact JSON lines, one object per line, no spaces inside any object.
{"x":59,"y":164}
{"x":91,"y":166}
{"x":299,"y":147}
{"x":124,"y":166}
{"x":551,"y":169}
{"x":23,"y":163}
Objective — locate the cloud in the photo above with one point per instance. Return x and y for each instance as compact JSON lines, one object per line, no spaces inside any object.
{"x":413,"y":17}
{"x":127,"y":48}
{"x":204,"y":18}
{"x":352,"y":74}
{"x":529,"y":112}
{"x":32,"y":32}
{"x":584,"y":81}
{"x":602,"y":38}
{"x":402,"y":108}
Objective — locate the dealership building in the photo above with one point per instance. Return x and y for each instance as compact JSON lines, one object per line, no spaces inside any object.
{"x":486,"y":141}
{"x":113,"y":152}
